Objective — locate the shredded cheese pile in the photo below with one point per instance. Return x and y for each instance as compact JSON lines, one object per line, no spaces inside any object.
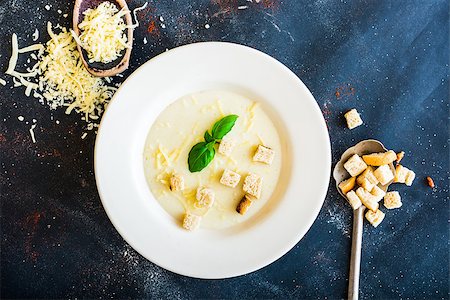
{"x":68,"y":83}
{"x":103,"y":33}
{"x":60,"y":78}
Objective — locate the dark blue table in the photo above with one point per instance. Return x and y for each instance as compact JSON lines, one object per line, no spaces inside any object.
{"x":389,"y":59}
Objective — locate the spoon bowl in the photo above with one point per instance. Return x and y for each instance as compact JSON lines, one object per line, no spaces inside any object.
{"x":362,"y":148}
{"x":340,"y":174}
{"x":100,"y":69}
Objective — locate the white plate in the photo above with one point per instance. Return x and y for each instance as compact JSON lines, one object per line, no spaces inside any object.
{"x":139,"y":218}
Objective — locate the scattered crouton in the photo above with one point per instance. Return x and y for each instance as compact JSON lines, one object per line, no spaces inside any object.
{"x":230,"y":178}
{"x":384,"y":174}
{"x":367,"y":199}
{"x":347,"y":185}
{"x":367,"y":179}
{"x":191,"y":221}
{"x":353,"y":119}
{"x":176,"y":182}
{"x":244,"y":205}
{"x":410,"y":178}
{"x":430,"y":182}
{"x":205,"y":197}
{"x":226,"y":146}
{"x":253,"y":185}
{"x":379,"y":159}
{"x":355,"y":165}
{"x":392,"y":200}
{"x":400,"y":156}
{"x":264,"y":154}
{"x":375,"y":218}
{"x":377,"y":193}
{"x":404,"y":175}
{"x":353,"y":199}
{"x":400,"y":174}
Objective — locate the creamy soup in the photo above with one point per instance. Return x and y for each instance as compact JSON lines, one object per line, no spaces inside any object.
{"x":183,"y":124}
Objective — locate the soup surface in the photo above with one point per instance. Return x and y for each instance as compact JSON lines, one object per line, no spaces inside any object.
{"x":180,"y":126}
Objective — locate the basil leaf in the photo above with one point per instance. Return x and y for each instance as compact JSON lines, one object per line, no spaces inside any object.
{"x":208,"y":138}
{"x":223,"y":126}
{"x":203,"y":153}
{"x":200,"y":156}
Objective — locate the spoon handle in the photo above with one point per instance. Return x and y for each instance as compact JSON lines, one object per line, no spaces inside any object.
{"x":355,"y":259}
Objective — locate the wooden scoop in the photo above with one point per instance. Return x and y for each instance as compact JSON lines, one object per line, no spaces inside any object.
{"x":98,"y":68}
{"x":340,"y":174}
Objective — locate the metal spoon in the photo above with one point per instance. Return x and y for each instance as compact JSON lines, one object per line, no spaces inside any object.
{"x":340,"y":174}
{"x":97,"y":68}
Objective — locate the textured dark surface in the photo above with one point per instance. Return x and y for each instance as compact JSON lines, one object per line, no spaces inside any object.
{"x":389,"y":59}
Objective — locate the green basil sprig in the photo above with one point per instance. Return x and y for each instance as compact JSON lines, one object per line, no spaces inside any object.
{"x":203,"y":153}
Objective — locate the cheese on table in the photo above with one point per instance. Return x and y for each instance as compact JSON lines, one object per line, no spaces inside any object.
{"x":59,"y":77}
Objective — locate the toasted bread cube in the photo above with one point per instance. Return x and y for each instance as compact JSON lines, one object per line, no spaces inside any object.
{"x":243,"y":205}
{"x":191,"y":221}
{"x":226,"y":146}
{"x":176,"y":182}
{"x":205,"y":197}
{"x":377,"y":193}
{"x":264,"y":154}
{"x":347,"y":185}
{"x":384,"y":174}
{"x":367,"y":179}
{"x":375,"y":218}
{"x":400,"y":174}
{"x":367,"y":199}
{"x":230,"y":178}
{"x":379,"y":159}
{"x":253,"y":185}
{"x":355,"y":165}
{"x":400,"y":156}
{"x":410,"y":178}
{"x":353,"y":199}
{"x":392,"y":200}
{"x":353,"y":118}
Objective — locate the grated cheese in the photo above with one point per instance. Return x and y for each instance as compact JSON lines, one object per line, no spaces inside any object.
{"x":260,"y":139}
{"x":251,"y":115}
{"x":219,"y":107}
{"x":32,"y":133}
{"x":161,"y":158}
{"x":102,"y":33}
{"x":173,"y":156}
{"x":59,"y":77}
{"x":35,"y":35}
{"x":31,"y":48}
{"x":14,"y":56}
{"x":2,"y":82}
{"x":163,"y":153}
{"x":134,"y":14}
{"x":158,"y":161}
{"x":232,"y":160}
{"x":16,"y":82}
{"x":68,"y":83}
